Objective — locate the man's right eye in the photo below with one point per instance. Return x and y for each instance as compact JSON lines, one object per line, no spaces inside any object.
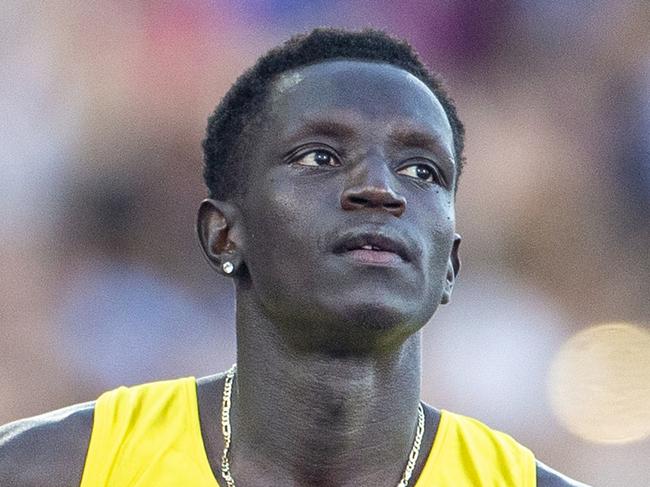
{"x":318,"y":157}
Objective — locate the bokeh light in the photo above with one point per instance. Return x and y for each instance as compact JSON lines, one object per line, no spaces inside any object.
{"x":599,"y":383}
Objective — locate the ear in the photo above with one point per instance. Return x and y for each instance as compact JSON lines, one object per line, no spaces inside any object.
{"x":217,"y":227}
{"x":453,"y":268}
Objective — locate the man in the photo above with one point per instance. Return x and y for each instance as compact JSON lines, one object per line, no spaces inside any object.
{"x":332,"y":167}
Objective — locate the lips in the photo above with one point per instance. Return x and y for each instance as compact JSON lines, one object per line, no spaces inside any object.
{"x":377,"y":247}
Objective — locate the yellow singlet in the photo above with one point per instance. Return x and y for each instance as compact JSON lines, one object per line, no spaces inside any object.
{"x":149,"y":435}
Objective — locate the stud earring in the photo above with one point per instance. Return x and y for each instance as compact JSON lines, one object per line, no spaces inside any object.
{"x":228,"y":267}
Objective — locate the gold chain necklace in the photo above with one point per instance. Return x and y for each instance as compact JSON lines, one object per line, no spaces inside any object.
{"x":225,"y":428}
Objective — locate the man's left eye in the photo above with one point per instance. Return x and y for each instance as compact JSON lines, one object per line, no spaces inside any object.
{"x":318,"y":158}
{"x":420,"y":171}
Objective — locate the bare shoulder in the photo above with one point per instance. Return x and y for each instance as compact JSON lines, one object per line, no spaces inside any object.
{"x":547,"y":477}
{"x":47,"y":450}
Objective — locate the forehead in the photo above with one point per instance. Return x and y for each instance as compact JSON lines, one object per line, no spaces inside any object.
{"x":366,"y":90}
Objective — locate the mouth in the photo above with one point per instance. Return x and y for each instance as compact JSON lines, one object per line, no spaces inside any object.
{"x":373,"y":248}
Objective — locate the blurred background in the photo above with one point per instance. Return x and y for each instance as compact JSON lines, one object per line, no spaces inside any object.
{"x":104,"y":106}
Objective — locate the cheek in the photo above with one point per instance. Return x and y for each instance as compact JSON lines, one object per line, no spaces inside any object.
{"x":278,"y":232}
{"x":439,"y":238}
{"x":291,"y":209}
{"x":281,"y":233}
{"x":438,"y":254}
{"x":279,"y":212}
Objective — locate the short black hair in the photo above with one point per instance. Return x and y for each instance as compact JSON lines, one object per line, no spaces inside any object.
{"x":242,"y":103}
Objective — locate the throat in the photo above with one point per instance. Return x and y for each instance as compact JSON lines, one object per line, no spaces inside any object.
{"x":306,"y":416}
{"x":325,"y":422}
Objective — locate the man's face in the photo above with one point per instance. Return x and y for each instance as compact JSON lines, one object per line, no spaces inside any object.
{"x":348,"y":213}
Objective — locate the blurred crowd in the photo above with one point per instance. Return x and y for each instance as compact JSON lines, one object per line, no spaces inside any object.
{"x":105,"y":106}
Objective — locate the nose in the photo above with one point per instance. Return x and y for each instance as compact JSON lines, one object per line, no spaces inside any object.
{"x":372,"y":190}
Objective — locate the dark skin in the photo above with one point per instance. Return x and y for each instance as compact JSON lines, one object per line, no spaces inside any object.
{"x":328,"y":352}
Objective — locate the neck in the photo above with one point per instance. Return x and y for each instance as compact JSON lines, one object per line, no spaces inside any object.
{"x":320,"y":419}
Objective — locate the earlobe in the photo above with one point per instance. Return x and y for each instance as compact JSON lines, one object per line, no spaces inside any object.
{"x":453,"y":268}
{"x":215,"y":225}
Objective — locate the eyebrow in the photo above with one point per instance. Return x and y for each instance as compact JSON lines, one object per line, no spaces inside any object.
{"x":334,"y":129}
{"x":421,"y":140}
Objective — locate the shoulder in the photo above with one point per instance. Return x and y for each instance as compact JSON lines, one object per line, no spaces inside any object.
{"x":46,"y":450}
{"x":496,"y":445}
{"x":547,"y":477}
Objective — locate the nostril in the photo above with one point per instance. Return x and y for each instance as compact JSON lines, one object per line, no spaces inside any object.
{"x":393,"y":206}
{"x":357,"y":200}
{"x":377,"y":198}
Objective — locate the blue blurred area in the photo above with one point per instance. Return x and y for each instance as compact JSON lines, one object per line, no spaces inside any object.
{"x":123,"y":321}
{"x":283,"y":13}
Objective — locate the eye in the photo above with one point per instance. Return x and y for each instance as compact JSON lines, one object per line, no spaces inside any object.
{"x":421,"y":171}
{"x":318,"y":157}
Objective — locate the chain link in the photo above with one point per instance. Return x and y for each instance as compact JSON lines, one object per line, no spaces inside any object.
{"x":225,"y":426}
{"x":226,"y":430}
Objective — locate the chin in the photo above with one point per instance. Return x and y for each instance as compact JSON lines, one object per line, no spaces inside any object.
{"x":374,"y":318}
{"x":344,"y":323}
{"x":345,"y":329}
{"x":368,"y":329}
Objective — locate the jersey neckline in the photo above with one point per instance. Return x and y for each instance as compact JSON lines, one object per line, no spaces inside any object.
{"x":195,"y":426}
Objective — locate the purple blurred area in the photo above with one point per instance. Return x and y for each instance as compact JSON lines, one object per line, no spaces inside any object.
{"x":104,"y":108}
